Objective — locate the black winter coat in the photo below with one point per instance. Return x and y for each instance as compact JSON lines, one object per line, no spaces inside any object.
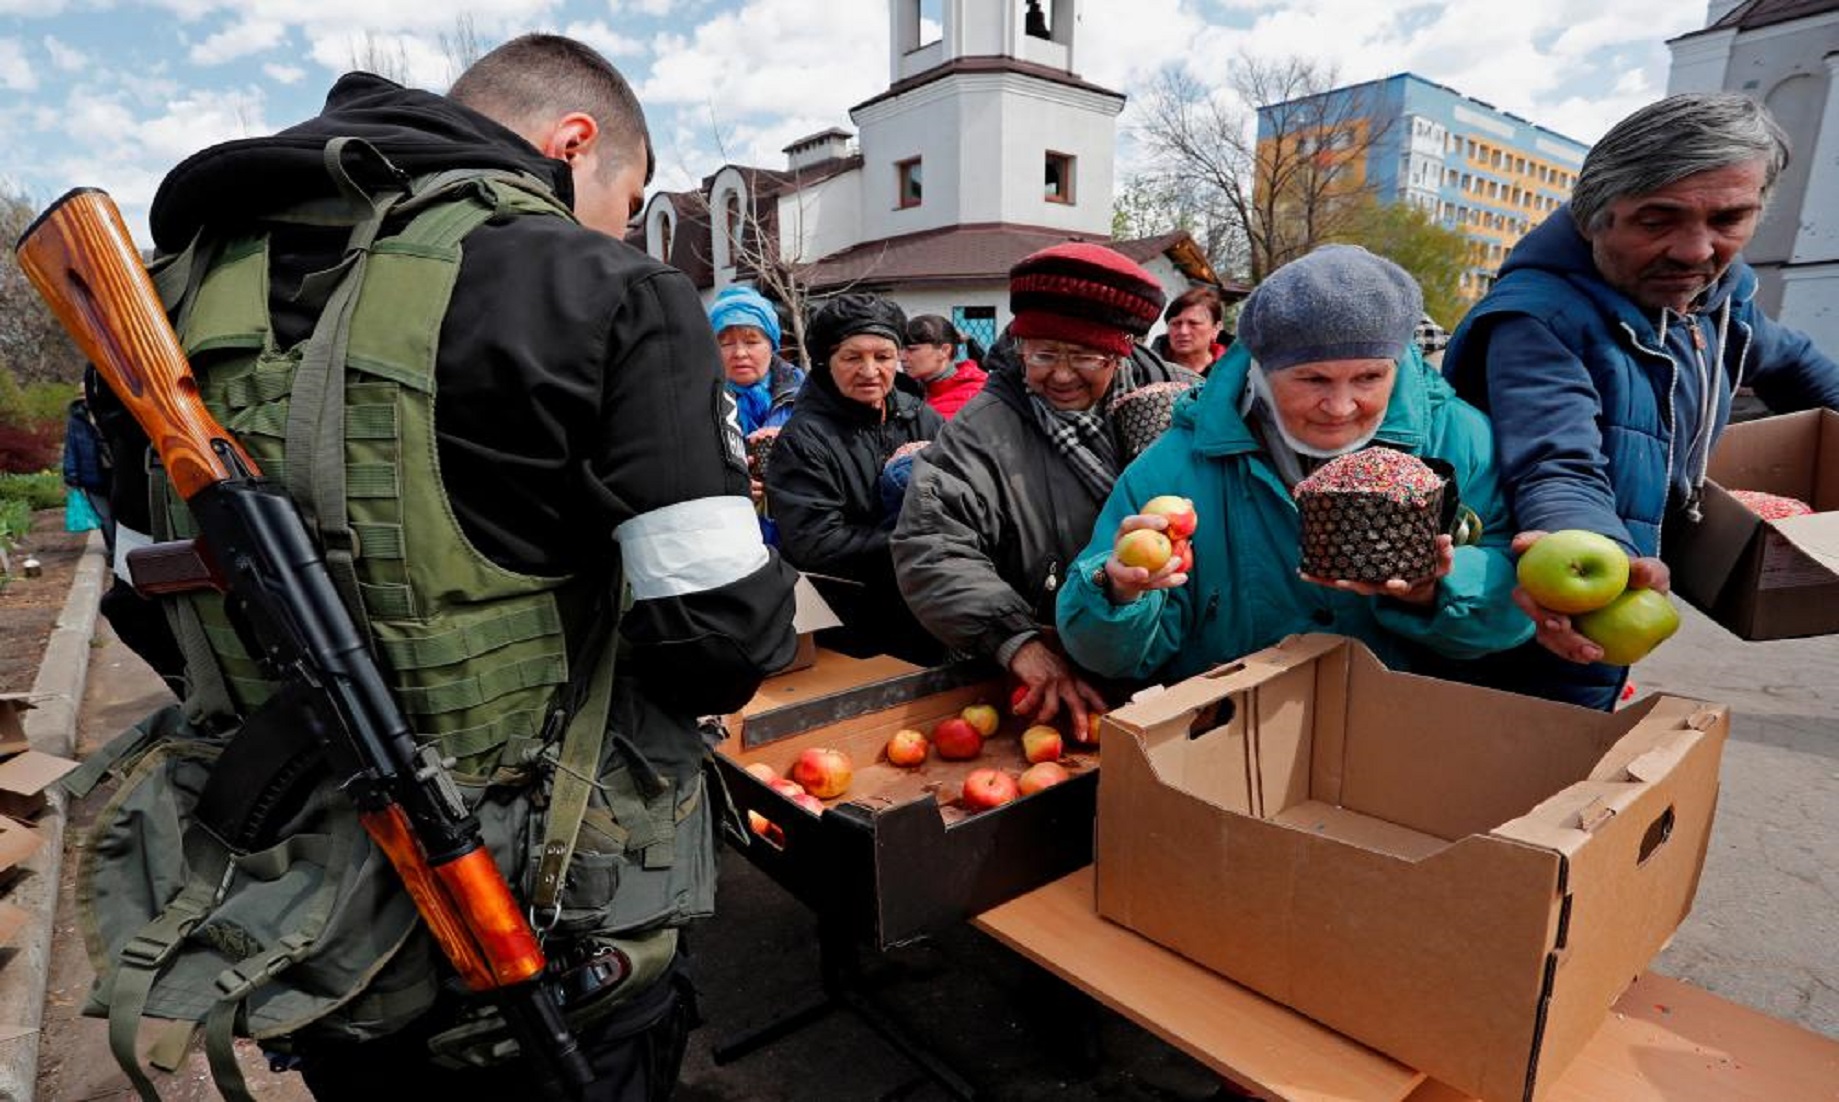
{"x":822,"y":490}
{"x":578,"y":385}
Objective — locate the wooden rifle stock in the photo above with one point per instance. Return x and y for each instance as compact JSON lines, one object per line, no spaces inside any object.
{"x":80,"y":257}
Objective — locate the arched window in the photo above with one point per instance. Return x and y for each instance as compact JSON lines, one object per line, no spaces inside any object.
{"x":736,"y":229}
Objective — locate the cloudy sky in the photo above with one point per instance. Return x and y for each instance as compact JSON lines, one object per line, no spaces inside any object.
{"x":113,"y":92}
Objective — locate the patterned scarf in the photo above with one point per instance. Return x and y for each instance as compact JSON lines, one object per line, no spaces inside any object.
{"x":1084,"y":436}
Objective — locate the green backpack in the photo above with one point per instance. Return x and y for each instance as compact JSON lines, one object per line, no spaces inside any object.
{"x":591,"y":799}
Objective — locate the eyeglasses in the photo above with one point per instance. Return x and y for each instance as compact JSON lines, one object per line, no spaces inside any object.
{"x":1040,"y":359}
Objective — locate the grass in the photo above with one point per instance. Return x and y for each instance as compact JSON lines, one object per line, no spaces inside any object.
{"x":20,"y":495}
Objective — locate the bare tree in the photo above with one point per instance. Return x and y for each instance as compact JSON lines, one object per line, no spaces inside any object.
{"x":33,"y":346}
{"x":461,"y":47}
{"x":1282,"y":187}
{"x":757,"y":238}
{"x":387,"y":58}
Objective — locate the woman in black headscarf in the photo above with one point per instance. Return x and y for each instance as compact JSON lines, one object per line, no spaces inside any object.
{"x":823,"y":482}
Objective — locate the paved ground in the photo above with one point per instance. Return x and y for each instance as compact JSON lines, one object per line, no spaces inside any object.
{"x":1765,"y":931}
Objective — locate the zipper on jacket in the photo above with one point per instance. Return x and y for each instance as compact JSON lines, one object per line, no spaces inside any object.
{"x":1051,"y":583}
{"x":1672,"y":385}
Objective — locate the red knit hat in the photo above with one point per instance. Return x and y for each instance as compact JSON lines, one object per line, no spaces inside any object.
{"x":1083,"y":294}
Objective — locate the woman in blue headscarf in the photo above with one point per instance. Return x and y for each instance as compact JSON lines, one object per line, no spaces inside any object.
{"x":747,"y":328}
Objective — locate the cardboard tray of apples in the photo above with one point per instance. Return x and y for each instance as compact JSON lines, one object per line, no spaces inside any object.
{"x":920,"y":808}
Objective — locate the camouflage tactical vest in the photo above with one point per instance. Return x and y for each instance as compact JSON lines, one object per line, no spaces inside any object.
{"x":314,"y":934}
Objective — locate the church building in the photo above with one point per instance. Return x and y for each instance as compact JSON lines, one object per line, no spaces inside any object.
{"x":986,"y":146}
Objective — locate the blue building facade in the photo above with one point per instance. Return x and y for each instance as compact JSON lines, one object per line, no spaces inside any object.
{"x":1476,"y":169}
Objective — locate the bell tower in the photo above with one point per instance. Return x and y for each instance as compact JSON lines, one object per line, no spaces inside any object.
{"x":986,"y":120}
{"x":929,"y":33}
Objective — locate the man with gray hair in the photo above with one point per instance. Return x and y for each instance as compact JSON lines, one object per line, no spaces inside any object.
{"x":1608,"y":350}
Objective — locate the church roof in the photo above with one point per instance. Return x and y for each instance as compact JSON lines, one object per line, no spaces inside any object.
{"x":993,"y":64}
{"x":981,"y":253}
{"x":1753,"y":14}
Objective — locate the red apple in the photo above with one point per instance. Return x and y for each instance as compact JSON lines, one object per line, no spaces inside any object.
{"x":1178,"y":511}
{"x":1042,"y":774}
{"x":907,"y":747}
{"x":1041,"y":743}
{"x":825,"y":772}
{"x":1183,"y":552}
{"x":1090,"y":736}
{"x":765,"y":772}
{"x":987,"y":788}
{"x":787,"y":788}
{"x":983,"y":717}
{"x":1144,"y":547}
{"x":765,"y":828}
{"x":956,"y":740}
{"x":809,"y":802}
{"x":1016,"y":696}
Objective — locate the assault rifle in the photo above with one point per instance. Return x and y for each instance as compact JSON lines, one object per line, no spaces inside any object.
{"x":257,"y":548}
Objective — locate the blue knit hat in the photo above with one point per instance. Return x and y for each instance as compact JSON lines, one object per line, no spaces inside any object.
{"x":739,"y":305}
{"x":1338,"y":303}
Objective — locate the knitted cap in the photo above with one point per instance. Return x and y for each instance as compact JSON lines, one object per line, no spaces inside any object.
{"x":740,"y":305}
{"x":1338,"y":303}
{"x":1083,"y":294}
{"x":846,"y":316}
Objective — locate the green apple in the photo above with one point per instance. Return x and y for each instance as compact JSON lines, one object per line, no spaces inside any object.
{"x":1630,"y":626}
{"x":1574,"y":571}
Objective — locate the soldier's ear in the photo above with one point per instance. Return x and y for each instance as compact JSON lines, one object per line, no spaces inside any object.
{"x":569,"y":137}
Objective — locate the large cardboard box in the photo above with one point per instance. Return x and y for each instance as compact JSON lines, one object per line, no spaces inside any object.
{"x":1766,"y":579}
{"x":1461,"y":878}
{"x":897,"y":855}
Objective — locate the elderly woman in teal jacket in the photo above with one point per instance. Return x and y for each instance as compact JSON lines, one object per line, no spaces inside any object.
{"x":1324,"y":366}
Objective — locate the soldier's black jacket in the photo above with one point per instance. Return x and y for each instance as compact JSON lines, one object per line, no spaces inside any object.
{"x":579,"y":398}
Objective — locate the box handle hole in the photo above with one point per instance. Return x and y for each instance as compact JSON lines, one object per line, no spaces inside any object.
{"x":1656,"y":836}
{"x":1212,"y":717}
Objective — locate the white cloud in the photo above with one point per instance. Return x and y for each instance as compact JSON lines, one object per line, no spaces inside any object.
{"x":773,"y":58}
{"x":203,"y":117}
{"x":249,"y":36}
{"x":67,"y":58}
{"x":16,"y":72}
{"x":416,"y":60}
{"x":283,"y":74}
{"x":42,"y":9}
{"x":657,"y":8}
{"x":605,"y":39}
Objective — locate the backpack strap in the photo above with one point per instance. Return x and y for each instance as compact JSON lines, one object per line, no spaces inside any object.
{"x":141,"y":960}
{"x":246,"y":977}
{"x":577,"y":771}
{"x":316,"y":412}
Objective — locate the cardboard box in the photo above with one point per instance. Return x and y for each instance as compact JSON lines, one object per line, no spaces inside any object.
{"x":811,"y":614}
{"x":13,"y":707}
{"x":1461,"y":878}
{"x":1766,"y":579}
{"x":24,"y":778}
{"x":18,"y":843}
{"x":896,"y":856}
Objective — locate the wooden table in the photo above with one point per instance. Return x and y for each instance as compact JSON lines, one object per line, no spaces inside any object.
{"x":1665,"y":1041}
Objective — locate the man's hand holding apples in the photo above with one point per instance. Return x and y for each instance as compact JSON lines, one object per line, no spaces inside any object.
{"x":1422,"y":592}
{"x":1556,"y":631}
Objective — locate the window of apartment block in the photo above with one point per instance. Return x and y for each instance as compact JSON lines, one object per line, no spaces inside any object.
{"x":908,"y":184}
{"x":1059,"y":178}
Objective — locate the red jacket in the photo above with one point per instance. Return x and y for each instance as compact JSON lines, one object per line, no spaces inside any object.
{"x":949,"y":395}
